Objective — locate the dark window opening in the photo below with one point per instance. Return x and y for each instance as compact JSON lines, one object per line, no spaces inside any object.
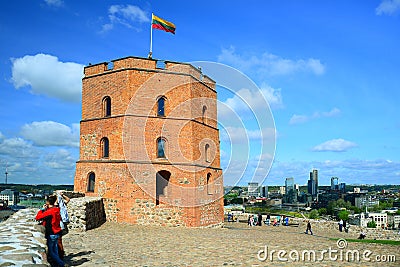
{"x":160,"y":148}
{"x":91,"y":182}
{"x":207,"y":152}
{"x":209,"y":189}
{"x":106,"y":106}
{"x":161,"y":106}
{"x":105,"y":150}
{"x":203,"y":116}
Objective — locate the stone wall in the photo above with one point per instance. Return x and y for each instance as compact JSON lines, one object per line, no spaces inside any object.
{"x":85,"y":213}
{"x":22,"y":240}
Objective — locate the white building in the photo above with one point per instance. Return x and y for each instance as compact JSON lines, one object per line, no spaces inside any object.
{"x":365,"y":201}
{"x":396,"y":221}
{"x":252,"y":190}
{"x":379,"y":218}
{"x":10,"y":196}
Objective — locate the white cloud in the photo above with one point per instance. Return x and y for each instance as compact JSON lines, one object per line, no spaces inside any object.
{"x":298,"y":119}
{"x":247,"y":103}
{"x":271,"y":64}
{"x":388,"y":7}
{"x":46,"y":75}
{"x":30,"y":164}
{"x":61,"y":159}
{"x":255,"y":100}
{"x":50,"y":133}
{"x":241,"y":135}
{"x":17,"y":147}
{"x":55,"y":3}
{"x":335,"y":145}
{"x":127,"y":15}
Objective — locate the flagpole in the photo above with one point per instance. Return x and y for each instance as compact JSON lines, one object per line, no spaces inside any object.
{"x":151,"y":37}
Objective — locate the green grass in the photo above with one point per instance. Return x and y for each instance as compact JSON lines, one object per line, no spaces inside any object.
{"x":32,"y":203}
{"x":382,"y":241}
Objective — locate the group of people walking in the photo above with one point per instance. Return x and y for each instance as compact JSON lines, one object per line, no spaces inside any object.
{"x":54,"y":217}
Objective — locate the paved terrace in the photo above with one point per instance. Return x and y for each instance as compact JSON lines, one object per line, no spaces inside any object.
{"x":236,"y":245}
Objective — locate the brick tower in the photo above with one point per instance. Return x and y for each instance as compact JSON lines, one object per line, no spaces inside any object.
{"x":149,"y":143}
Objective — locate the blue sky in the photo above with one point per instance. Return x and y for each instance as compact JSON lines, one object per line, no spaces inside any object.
{"x":329,"y":70}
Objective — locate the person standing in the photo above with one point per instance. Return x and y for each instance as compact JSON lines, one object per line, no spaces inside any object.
{"x":309,"y":228}
{"x":341,"y":225}
{"x":269,"y":219}
{"x":51,"y":220}
{"x":61,"y":202}
{"x":259,"y":220}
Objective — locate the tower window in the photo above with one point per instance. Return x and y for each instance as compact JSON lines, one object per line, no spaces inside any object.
{"x":207,"y":152}
{"x":104,"y":145}
{"x":161,"y":106}
{"x":91,"y":182}
{"x":107,"y":106}
{"x":209,"y":190}
{"x":203,"y":115}
{"x":160,"y":148}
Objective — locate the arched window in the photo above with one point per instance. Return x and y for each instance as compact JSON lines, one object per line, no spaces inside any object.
{"x":106,"y":106}
{"x":203,"y":115}
{"x":207,"y":152}
{"x":160,"y":147}
{"x":209,"y":189}
{"x":161,"y":106}
{"x":104,"y":145}
{"x":91,"y":182}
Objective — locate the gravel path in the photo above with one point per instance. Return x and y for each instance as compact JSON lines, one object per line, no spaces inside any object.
{"x":237,"y":244}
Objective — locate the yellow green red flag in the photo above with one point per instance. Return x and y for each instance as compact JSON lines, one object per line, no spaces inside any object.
{"x":161,"y":24}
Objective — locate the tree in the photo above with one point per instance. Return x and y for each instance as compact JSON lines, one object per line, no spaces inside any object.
{"x":343,"y":215}
{"x":322,"y":211}
{"x":313,"y":214}
{"x":398,"y":212}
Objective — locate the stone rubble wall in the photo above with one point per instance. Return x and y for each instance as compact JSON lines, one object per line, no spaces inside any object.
{"x":323,"y":225}
{"x":22,"y":240}
{"x":353,"y":230}
{"x":85,"y":213}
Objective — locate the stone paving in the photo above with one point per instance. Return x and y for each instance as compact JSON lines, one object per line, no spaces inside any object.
{"x":237,"y":244}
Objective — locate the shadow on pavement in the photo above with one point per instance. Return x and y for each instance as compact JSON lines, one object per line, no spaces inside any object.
{"x":77,"y":259}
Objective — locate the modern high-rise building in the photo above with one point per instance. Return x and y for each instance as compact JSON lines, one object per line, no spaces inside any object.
{"x":342,"y":187}
{"x":313,"y":183}
{"x":264,"y":191}
{"x":335,"y":183}
{"x":290,"y":191}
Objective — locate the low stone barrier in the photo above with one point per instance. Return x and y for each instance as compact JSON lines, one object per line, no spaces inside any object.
{"x":85,"y":213}
{"x":22,"y":240}
{"x":323,"y":225}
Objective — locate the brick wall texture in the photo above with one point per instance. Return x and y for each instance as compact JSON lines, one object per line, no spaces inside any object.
{"x":185,"y":187}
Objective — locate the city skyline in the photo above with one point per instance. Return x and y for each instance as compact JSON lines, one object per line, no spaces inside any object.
{"x":328,"y":70}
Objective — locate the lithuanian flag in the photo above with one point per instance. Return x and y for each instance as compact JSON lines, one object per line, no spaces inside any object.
{"x":161,"y":24}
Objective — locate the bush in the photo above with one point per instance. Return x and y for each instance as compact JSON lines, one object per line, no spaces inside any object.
{"x":322,"y":211}
{"x":313,"y":214}
{"x":371,"y":224}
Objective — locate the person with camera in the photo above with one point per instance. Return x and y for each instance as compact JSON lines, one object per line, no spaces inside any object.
{"x":51,"y":220}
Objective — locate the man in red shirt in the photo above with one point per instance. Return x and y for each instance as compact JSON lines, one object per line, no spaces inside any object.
{"x":51,"y":220}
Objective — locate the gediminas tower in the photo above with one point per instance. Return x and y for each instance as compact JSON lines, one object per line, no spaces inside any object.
{"x":149,"y":143}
